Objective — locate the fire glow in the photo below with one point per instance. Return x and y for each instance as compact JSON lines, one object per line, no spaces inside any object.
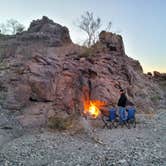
{"x":92,"y":107}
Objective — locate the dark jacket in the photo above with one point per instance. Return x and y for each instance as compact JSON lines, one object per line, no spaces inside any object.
{"x":122,"y":100}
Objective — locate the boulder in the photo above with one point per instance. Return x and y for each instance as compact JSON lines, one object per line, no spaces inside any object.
{"x":16,"y":97}
{"x":160,"y":76}
{"x":112,"y":42}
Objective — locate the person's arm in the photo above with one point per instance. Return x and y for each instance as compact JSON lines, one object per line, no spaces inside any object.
{"x":120,"y":101}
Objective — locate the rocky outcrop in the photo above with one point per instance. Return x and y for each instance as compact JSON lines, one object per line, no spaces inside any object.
{"x":159,"y":76}
{"x":43,"y":31}
{"x":42,"y":67}
{"x":112,"y":42}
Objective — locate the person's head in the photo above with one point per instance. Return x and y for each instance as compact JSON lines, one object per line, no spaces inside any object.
{"x":122,"y":91}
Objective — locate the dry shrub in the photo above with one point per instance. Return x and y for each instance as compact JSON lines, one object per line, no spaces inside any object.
{"x":4,"y":66}
{"x":87,"y":52}
{"x":91,"y":51}
{"x":62,"y":123}
{"x":150,"y":115}
{"x":155,"y":98}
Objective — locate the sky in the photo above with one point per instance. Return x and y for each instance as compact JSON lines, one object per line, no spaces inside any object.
{"x":142,"y":23}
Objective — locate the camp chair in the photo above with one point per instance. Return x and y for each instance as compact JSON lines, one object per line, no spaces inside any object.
{"x":131,"y":120}
{"x":110,"y":119}
{"x":123,"y":117}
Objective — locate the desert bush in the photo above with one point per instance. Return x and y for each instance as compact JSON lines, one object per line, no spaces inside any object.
{"x":87,"y":52}
{"x":61,"y":123}
{"x":4,"y":66}
{"x":155,"y":98}
{"x":90,"y":51}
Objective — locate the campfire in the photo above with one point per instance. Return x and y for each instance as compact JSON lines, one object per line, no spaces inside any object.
{"x":92,"y":107}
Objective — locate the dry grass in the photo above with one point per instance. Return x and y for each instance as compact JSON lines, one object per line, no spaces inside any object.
{"x":4,"y":66}
{"x":62,"y":123}
{"x":150,"y":115}
{"x":87,"y":52}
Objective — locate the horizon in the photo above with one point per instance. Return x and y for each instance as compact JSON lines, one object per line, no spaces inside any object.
{"x":140,"y":23}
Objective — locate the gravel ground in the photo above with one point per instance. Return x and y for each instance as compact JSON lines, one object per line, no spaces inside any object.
{"x":144,"y":145}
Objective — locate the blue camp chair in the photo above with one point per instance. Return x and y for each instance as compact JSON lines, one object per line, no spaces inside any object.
{"x":112,"y":114}
{"x":111,"y":120}
{"x":122,"y":116}
{"x":131,"y":113}
{"x":131,"y":116}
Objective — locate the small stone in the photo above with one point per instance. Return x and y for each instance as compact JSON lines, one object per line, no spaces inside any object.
{"x":122,"y":161}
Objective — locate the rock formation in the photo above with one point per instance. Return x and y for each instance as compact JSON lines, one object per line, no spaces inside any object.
{"x":159,"y":76}
{"x":43,"y":73}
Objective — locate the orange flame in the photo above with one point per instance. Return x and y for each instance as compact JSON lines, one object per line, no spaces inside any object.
{"x":93,"y":107}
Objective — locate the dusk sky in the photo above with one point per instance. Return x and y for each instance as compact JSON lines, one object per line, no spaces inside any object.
{"x":142,"y":23}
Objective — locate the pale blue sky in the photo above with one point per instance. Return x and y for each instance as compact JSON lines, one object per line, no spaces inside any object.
{"x":142,"y":23}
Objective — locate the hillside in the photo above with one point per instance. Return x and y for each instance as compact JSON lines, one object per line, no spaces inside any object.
{"x":42,"y":72}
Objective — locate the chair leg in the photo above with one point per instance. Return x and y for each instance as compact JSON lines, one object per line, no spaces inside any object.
{"x":110,"y":126}
{"x":127,"y":124}
{"x":105,"y":126}
{"x":105,"y":123}
{"x":115,"y":123}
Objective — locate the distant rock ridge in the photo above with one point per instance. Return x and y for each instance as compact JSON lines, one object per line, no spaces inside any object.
{"x":158,"y":75}
{"x":53,"y":33}
{"x":42,"y":30}
{"x":43,"y":73}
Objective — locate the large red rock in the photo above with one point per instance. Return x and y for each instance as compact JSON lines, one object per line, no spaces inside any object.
{"x":45,"y":67}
